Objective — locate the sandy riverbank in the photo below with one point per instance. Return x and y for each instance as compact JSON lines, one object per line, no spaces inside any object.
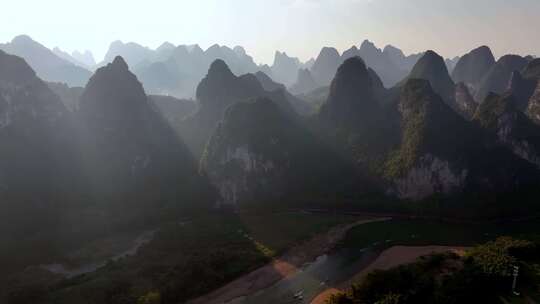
{"x":281,"y":268}
{"x":390,"y":258}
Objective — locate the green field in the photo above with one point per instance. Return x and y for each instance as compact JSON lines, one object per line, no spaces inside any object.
{"x":184,"y":260}
{"x":281,"y":230}
{"x":424,"y":232}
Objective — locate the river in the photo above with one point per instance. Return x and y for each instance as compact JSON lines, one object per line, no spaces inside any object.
{"x":69,"y":272}
{"x":326,"y":271}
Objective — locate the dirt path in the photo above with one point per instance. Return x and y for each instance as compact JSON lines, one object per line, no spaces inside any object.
{"x":390,"y":258}
{"x":280,"y":268}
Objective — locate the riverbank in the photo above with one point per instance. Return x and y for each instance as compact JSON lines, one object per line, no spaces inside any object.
{"x":389,"y":258}
{"x":283,"y":267}
{"x":130,"y":249}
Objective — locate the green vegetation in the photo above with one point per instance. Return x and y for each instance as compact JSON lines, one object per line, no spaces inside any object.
{"x":424,"y":115}
{"x":183,"y":261}
{"x":425,"y":232}
{"x":481,"y":276}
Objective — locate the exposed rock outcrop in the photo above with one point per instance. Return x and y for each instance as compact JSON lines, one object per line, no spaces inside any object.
{"x":501,"y":116}
{"x":259,"y":155}
{"x":426,"y":162}
{"x":466,"y":160}
{"x":465,"y":105}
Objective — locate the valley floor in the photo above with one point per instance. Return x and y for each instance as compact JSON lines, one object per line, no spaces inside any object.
{"x":389,"y":258}
{"x":283,"y":267}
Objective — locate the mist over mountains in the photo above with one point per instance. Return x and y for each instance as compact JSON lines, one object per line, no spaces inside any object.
{"x":146,"y":136}
{"x":360,"y":102}
{"x":176,"y":70}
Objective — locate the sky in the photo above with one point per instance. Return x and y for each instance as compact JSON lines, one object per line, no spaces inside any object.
{"x":299,"y":27}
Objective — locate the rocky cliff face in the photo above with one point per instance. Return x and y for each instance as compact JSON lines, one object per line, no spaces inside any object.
{"x":525,"y":87}
{"x":472,"y":67}
{"x":259,"y":155}
{"x":429,"y":176}
{"x":426,"y":162}
{"x":501,"y":116}
{"x":405,"y":63}
{"x":467,"y":160}
{"x":533,"y":109}
{"x":465,"y":105}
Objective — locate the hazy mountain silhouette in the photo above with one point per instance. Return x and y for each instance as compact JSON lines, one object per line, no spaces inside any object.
{"x":47,"y":65}
{"x":352,"y":98}
{"x":180,"y":72}
{"x":472,"y":67}
{"x":64,"y":55}
{"x":69,"y":95}
{"x":325,"y":66}
{"x":304,"y":82}
{"x":497,"y":79}
{"x":130,"y":148}
{"x":133,"y":53}
{"x":268,"y":83}
{"x":451,"y":63}
{"x":353,"y":113}
{"x":391,"y":65}
{"x":285,"y":68}
{"x":389,"y":72}
{"x":404,"y":63}
{"x":431,"y":67}
{"x":300,"y":106}
{"x":219,"y":89}
{"x":87,"y":58}
{"x":174,"y":109}
{"x":39,"y":170}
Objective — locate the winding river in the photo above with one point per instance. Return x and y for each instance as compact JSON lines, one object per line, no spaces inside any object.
{"x":68,"y":272}
{"x":326,"y":271}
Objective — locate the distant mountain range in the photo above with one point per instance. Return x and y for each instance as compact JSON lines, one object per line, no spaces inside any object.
{"x":399,"y":124}
{"x":176,"y":70}
{"x":390,"y":133}
{"x":46,"y":63}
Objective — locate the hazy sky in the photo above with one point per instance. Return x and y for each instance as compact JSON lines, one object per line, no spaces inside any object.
{"x":299,"y":27}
